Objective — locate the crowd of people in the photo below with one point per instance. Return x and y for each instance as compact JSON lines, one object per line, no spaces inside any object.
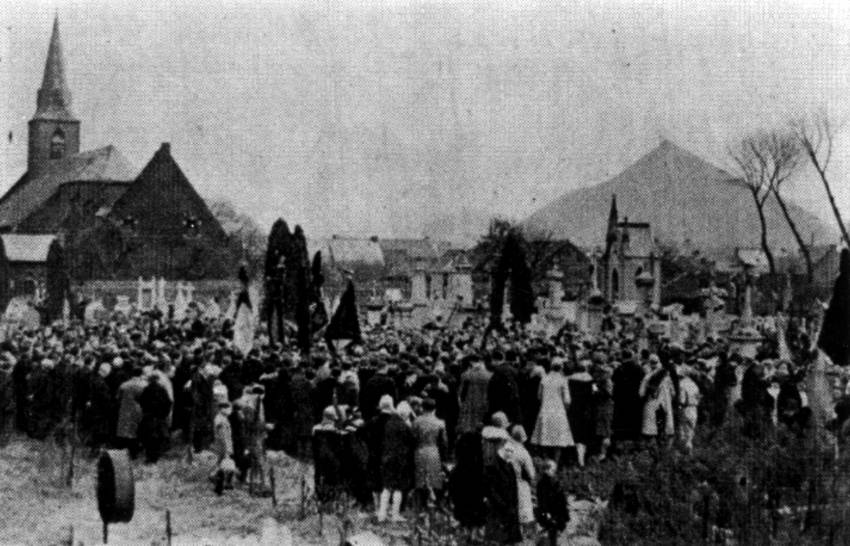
{"x":471,"y":421}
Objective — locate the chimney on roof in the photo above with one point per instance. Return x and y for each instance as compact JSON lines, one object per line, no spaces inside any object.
{"x":165,"y":148}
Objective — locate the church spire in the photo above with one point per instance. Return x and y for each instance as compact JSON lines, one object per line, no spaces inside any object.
{"x":54,"y":97}
{"x":612,"y":220}
{"x":53,"y":132}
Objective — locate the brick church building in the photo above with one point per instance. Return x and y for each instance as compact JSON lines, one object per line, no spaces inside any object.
{"x":113,"y":222}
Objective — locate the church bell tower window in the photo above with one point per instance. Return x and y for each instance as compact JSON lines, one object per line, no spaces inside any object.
{"x":57,"y":145}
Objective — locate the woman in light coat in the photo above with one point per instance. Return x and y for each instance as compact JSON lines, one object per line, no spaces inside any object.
{"x":552,"y":431}
{"x":525,"y":475}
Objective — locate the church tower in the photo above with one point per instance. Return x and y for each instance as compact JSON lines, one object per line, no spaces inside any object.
{"x":54,"y":133}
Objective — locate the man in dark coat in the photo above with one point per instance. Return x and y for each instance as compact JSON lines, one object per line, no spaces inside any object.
{"x":628,"y":406}
{"x":503,"y":391}
{"x":20,"y":371}
{"x":466,"y":482}
{"x":724,"y":381}
{"x":529,"y":389}
{"x":7,"y":401}
{"x":300,"y":422}
{"x":153,"y":429}
{"x":203,"y":409}
{"x":502,"y":498}
{"x":327,"y":452}
{"x":552,"y":508}
{"x":99,"y":410}
{"x":41,"y":401}
{"x":376,"y":387}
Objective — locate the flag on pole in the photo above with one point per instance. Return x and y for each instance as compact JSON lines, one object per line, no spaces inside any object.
{"x":344,"y":323}
{"x":834,"y":338}
{"x":243,"y":327}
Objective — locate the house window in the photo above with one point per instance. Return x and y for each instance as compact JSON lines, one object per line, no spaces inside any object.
{"x":57,"y":144}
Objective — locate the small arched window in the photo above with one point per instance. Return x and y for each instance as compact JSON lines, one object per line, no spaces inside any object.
{"x":57,"y":145}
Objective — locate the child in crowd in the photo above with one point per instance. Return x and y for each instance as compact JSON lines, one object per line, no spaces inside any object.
{"x":222,"y":476}
{"x":552,"y":510}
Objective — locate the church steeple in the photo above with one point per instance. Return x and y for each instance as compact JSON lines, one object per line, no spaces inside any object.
{"x":613,"y":220}
{"x":54,"y":133}
{"x":54,"y":97}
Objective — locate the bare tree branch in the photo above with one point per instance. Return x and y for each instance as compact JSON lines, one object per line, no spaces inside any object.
{"x":817,"y":136}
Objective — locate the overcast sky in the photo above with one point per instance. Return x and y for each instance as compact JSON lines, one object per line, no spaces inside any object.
{"x":383,"y":117}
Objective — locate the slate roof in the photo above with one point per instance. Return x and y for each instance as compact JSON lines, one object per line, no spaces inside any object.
{"x":416,"y":249}
{"x":27,"y":195}
{"x":342,"y":251}
{"x":27,"y":248}
{"x":683,"y":197}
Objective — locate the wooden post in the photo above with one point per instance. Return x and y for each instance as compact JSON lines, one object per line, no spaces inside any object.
{"x":105,"y":533}
{"x":168,"y":532}
{"x":272,"y":485}
{"x":69,"y":479}
{"x":301,"y":513}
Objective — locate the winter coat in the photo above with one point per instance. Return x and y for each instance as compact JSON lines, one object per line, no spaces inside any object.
{"x":430,"y":434}
{"x":553,"y":428}
{"x":99,"y":411}
{"x":372,"y":391}
{"x":203,"y":410}
{"x":502,"y":525}
{"x":503,"y":393}
{"x":327,"y":453}
{"x":466,"y":481}
{"x":397,"y":455}
{"x":523,"y":465}
{"x":628,"y":406}
{"x":474,"y":403}
{"x":580,"y":412}
{"x":552,"y":509}
{"x":156,"y":407}
{"x":129,"y":410}
{"x":603,"y":412}
{"x":301,"y":420}
{"x":374,"y":433}
{"x":529,"y":387}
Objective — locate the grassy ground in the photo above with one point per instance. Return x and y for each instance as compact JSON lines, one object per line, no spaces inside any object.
{"x":36,"y":507}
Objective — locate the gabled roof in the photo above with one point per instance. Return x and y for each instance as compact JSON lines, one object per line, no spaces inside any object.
{"x":417,"y":249}
{"x":27,"y":248}
{"x":101,"y":165}
{"x":347,"y":250}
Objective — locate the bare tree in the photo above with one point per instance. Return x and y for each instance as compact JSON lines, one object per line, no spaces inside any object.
{"x":816,"y":137}
{"x":779,"y":154}
{"x":755,"y":179}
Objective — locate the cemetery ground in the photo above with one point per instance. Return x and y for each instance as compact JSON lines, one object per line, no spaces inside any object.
{"x":730,"y":491}
{"x":38,"y":507}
